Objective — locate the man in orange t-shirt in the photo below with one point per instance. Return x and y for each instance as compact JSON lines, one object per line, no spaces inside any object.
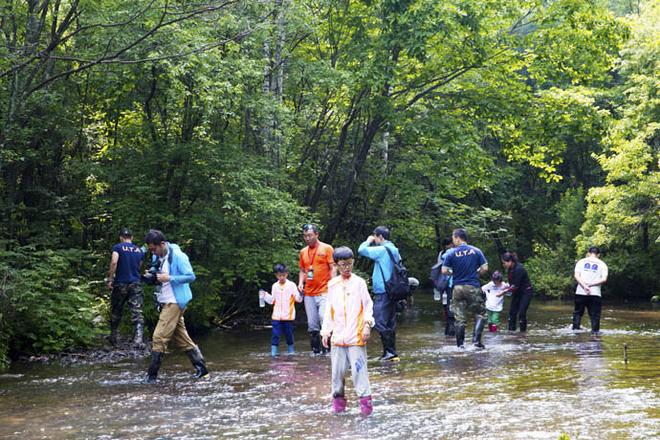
{"x":316,"y":268}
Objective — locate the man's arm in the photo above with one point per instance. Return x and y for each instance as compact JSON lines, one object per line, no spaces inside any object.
{"x":302,"y":279}
{"x":371,"y":252}
{"x":483,"y":269}
{"x":581,"y":282}
{"x":113,"y":268}
{"x":603,"y":280}
{"x":187,"y":275}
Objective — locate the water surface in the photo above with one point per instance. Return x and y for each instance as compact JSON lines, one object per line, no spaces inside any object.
{"x":533,"y":386}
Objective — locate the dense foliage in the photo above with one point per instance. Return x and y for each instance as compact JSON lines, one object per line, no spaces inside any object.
{"x":228,"y":124}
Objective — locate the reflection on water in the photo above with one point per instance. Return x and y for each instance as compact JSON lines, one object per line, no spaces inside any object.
{"x":532,"y":386}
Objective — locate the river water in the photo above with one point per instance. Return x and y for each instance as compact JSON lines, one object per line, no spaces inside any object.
{"x":534,"y":386}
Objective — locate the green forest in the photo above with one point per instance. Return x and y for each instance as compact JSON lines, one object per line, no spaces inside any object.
{"x":534,"y":124}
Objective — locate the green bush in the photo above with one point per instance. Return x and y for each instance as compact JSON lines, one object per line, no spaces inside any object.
{"x":550,"y":275}
{"x":46,"y":307}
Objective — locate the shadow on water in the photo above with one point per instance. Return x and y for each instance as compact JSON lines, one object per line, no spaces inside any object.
{"x":532,"y":386}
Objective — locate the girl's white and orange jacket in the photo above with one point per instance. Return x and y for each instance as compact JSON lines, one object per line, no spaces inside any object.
{"x":348,"y":309}
{"x":284,"y":299}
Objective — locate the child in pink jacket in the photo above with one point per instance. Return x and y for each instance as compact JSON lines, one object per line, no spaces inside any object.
{"x":347,"y":325}
{"x":283,"y":296}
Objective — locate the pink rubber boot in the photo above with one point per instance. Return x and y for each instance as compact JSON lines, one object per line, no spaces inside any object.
{"x":338,"y":404}
{"x":366,"y":407}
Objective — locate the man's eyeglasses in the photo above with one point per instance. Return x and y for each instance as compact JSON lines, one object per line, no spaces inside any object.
{"x":345,"y":264}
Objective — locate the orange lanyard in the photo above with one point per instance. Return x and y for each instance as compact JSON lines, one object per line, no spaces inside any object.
{"x":311,"y":259}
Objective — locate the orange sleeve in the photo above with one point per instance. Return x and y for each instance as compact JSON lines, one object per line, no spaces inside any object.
{"x":329,"y":258}
{"x":301,"y":263}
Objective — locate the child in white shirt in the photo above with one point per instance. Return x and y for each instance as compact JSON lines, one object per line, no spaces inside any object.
{"x":494,"y":299}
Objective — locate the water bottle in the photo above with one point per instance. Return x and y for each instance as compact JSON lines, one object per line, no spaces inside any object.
{"x":262,"y":301}
{"x":436,"y":295}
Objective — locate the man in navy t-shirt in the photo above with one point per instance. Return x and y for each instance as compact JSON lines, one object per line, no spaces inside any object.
{"x":124,"y":281}
{"x":465,"y":264}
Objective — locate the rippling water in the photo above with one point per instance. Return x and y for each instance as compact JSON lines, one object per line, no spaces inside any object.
{"x":533,"y":386}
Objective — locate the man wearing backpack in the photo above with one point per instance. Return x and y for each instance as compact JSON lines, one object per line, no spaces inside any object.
{"x":376,"y":247}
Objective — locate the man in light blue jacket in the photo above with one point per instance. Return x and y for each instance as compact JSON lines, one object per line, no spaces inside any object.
{"x":172,"y":274}
{"x":376,"y":247}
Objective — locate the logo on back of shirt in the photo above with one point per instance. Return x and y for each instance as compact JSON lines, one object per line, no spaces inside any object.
{"x":130,"y":248}
{"x":591,"y":267}
{"x":465,"y":253}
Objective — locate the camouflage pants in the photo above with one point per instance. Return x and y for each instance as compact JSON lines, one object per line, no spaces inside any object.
{"x":467,"y":300}
{"x":122,"y":294}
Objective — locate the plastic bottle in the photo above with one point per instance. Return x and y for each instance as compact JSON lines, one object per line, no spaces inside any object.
{"x":262,"y":301}
{"x":436,"y":295}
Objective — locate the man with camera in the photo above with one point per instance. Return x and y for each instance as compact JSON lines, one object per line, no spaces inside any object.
{"x":376,"y":247}
{"x":172,"y":274}
{"x":124,"y":282}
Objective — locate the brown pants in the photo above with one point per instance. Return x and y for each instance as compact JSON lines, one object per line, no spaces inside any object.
{"x":171,"y":327}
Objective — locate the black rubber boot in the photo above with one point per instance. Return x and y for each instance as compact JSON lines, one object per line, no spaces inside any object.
{"x":315,"y":341}
{"x":197,"y":360}
{"x":460,"y":335}
{"x":523,"y":325}
{"x":451,"y":326}
{"x":390,"y":347}
{"x":156,"y":361}
{"x":139,"y":334}
{"x":383,"y":340}
{"x":478,"y":330}
{"x":114,"y":333}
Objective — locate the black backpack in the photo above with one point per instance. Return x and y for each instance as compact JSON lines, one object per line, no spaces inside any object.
{"x":397,"y":287}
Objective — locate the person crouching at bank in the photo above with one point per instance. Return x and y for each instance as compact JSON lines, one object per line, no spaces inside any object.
{"x":172,"y":273}
{"x":347,"y":324}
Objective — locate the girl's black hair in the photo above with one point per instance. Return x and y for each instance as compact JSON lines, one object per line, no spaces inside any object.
{"x":510,"y":256}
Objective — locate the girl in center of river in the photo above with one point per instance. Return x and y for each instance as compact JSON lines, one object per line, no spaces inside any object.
{"x":347,"y":324}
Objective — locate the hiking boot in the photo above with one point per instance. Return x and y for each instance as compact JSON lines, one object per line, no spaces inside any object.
{"x":197,"y":360}
{"x":156,"y":361}
{"x":366,"y":405}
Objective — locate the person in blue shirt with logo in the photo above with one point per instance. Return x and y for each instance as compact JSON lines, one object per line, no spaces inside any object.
{"x":124,"y":282}
{"x":465,"y":264}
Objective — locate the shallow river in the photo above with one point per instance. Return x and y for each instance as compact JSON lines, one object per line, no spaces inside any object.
{"x":535,"y":386}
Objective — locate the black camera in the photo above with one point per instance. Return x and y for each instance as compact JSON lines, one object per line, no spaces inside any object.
{"x":154,"y":269}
